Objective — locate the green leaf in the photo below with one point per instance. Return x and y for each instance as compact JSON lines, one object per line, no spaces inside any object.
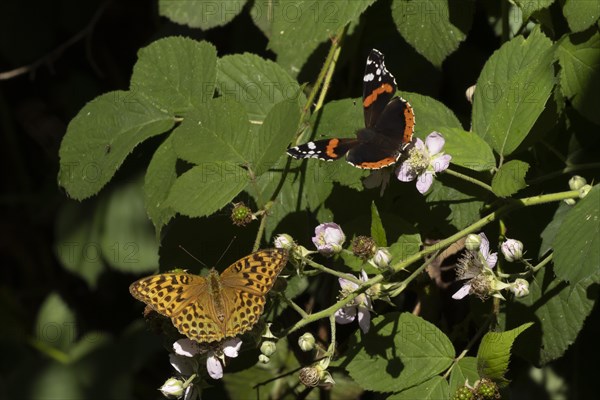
{"x":494,"y":352}
{"x":464,"y":207}
{"x":512,"y":91}
{"x":559,"y":311}
{"x":434,"y":388}
{"x":176,"y":73}
{"x":78,"y":236}
{"x":299,"y":27}
{"x":274,"y":136}
{"x":215,"y":132}
{"x":160,"y":176}
{"x":579,"y":59}
{"x":550,"y":231}
{"x":430,"y":114}
{"x":128,"y":242}
{"x":101,"y":135}
{"x":434,"y":28}
{"x":581,"y":14}
{"x":377,"y":230}
{"x":339,"y":118}
{"x":206,"y":188}
{"x":510,"y":178}
{"x":398,"y":352}
{"x":529,"y":7}
{"x":255,"y":83}
{"x":464,"y":371}
{"x":55,"y":324}
{"x":468,"y":150}
{"x":577,"y":243}
{"x":303,"y":190}
{"x":203,"y":14}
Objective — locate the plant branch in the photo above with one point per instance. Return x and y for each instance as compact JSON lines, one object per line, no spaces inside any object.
{"x":469,"y":179}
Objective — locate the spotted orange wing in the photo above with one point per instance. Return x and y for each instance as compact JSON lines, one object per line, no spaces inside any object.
{"x":245,"y":285}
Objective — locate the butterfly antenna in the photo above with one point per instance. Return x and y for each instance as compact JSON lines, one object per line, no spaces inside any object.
{"x":191,"y":255}
{"x":225,"y":252}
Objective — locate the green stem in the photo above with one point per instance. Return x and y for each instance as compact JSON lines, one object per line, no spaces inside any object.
{"x":333,"y":272}
{"x":568,"y":169}
{"x":261,"y":227}
{"x":471,"y":343}
{"x":329,"y":60}
{"x":441,"y":245}
{"x":327,"y":81}
{"x":469,"y":179}
{"x":51,"y":351}
{"x":296,"y":307}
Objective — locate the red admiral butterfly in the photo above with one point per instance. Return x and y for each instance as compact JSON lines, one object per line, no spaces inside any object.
{"x":389,"y":125}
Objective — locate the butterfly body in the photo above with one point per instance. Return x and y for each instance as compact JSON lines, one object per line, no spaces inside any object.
{"x":211,"y":308}
{"x":389,"y":125}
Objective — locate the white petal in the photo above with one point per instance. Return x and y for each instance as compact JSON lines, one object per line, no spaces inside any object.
{"x":231,"y":347}
{"x":405,"y":173}
{"x":363,"y":275}
{"x":345,"y":315}
{"x":434,"y":142}
{"x":424,"y":182}
{"x":364,"y":319}
{"x":186,"y":347}
{"x":214,"y":367}
{"x":484,"y":247}
{"x":462,"y":292}
{"x":184,"y":365}
{"x":492,"y":259}
{"x":441,"y":163}
{"x":347,"y":285}
{"x":191,"y":393}
{"x":419,"y":145}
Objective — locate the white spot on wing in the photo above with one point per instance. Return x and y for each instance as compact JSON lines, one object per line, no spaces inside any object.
{"x":368,"y":77}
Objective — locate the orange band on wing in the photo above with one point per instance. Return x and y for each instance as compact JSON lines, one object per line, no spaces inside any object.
{"x":330,"y":149}
{"x":409,"y":118}
{"x":370,"y":99}
{"x":377,"y":164}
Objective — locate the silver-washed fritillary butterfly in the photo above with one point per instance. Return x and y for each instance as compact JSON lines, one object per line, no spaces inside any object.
{"x":211,"y":308}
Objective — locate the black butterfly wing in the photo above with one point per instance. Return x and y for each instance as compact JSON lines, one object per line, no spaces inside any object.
{"x":326,"y":149}
{"x":379,"y":86}
{"x":397,"y":121}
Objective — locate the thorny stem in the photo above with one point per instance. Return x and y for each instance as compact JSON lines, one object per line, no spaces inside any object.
{"x":401,"y":265}
{"x":295,"y":306}
{"x":469,"y":179}
{"x":329,"y":65}
{"x":332,"y":272}
{"x":471,"y":343}
{"x":261,"y":227}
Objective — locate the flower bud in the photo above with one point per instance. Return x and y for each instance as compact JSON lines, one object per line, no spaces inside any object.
{"x":520,"y":287}
{"x":263,"y":359}
{"x":329,"y":238}
{"x":473,"y":242}
{"x":172,"y":388}
{"x":570,"y":202}
{"x":306,"y":342}
{"x":284,"y":241}
{"x":268,"y":348}
{"x":469,"y":93}
{"x":576,"y":182}
{"x":382,"y":257}
{"x":512,"y":250}
{"x":584,"y":190}
{"x":241,"y":215}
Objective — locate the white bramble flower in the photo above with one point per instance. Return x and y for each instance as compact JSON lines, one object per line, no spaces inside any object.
{"x":360,"y":307}
{"x":424,"y":161}
{"x":329,"y":238}
{"x":512,"y":250}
